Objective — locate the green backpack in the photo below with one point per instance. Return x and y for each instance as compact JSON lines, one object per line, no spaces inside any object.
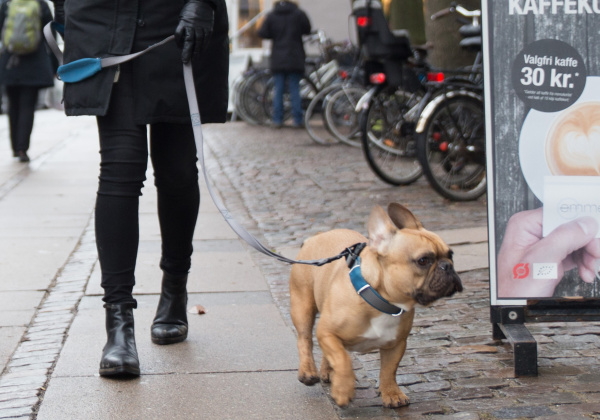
{"x":22,"y":27}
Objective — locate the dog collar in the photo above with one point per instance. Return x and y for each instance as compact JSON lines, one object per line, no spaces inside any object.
{"x":366,"y":291}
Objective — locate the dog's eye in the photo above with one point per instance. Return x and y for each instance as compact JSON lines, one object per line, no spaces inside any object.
{"x":424,"y":261}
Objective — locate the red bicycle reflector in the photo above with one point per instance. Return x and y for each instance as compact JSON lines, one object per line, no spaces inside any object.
{"x":363,"y":21}
{"x":435,"y":77}
{"x":377,"y":78}
{"x":343,"y":74}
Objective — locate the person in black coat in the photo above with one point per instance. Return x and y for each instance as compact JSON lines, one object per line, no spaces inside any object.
{"x":126,"y":98}
{"x":285,"y":25}
{"x":23,"y":76}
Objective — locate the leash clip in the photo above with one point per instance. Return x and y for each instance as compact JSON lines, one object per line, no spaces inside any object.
{"x":353,"y":252}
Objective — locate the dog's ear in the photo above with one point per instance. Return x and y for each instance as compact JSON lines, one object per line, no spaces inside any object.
{"x":380,"y":229}
{"x":403,"y":217}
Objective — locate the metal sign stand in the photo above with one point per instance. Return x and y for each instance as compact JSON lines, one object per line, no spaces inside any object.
{"x":508,"y":323}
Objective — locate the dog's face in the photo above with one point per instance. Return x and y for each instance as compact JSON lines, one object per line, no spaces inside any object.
{"x":416,"y":264}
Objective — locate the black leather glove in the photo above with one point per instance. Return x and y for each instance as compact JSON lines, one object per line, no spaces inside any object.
{"x":195,"y":27}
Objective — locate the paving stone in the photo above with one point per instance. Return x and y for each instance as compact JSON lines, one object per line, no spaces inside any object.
{"x":492,"y":383}
{"x":468,"y":394}
{"x":525,"y":411}
{"x":33,"y":360}
{"x":24,"y":373}
{"x":32,"y":380}
{"x":552,"y":398}
{"x":408,"y":379}
{"x":16,"y":403}
{"x":430,"y":386}
{"x":472,"y":349}
{"x":462,"y":416}
{"x":589,"y":378}
{"x":12,"y":413}
{"x":36,"y":353}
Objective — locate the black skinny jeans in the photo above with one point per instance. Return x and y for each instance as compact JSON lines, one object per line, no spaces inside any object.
{"x":124,"y":159}
{"x":21,"y":108}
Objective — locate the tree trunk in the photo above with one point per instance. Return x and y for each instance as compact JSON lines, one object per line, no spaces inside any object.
{"x":443,"y":34}
{"x":408,"y":14}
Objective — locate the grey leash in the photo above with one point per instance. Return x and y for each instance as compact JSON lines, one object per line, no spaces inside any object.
{"x":80,"y":69}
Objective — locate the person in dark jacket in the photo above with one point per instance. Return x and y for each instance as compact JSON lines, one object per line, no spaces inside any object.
{"x":285,"y":25}
{"x":146,"y":91}
{"x":23,"y":76}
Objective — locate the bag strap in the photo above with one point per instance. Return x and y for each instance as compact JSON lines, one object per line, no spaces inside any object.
{"x":81,"y":69}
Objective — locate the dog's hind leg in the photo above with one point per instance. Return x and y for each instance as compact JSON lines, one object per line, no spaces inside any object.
{"x":303,"y":310}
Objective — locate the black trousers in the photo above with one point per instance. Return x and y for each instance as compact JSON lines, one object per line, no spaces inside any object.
{"x":21,"y":108}
{"x":124,"y":159}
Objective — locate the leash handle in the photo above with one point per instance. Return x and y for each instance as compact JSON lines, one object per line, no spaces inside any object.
{"x":81,"y":69}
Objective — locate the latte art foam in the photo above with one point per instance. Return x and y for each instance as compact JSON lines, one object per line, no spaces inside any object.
{"x":573,"y":144}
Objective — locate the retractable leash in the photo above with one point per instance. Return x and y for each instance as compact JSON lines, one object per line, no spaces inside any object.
{"x":86,"y":67}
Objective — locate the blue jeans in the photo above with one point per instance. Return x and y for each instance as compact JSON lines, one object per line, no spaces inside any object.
{"x":293,"y":85}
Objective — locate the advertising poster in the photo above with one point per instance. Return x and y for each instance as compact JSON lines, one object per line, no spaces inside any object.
{"x":542,"y":79}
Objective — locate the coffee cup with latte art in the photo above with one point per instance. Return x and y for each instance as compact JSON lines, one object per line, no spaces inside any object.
{"x":573,"y":142}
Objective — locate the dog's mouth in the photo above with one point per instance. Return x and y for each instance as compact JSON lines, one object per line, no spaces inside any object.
{"x":444,"y":283}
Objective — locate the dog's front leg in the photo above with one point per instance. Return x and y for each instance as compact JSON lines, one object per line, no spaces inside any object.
{"x":391,"y":394}
{"x":342,"y":378}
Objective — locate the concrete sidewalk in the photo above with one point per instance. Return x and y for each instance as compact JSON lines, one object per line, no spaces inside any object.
{"x":240,"y":359}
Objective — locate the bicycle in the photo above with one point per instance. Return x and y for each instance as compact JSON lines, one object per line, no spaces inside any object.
{"x":451,"y":128}
{"x":390,"y":113}
{"x":395,"y":70}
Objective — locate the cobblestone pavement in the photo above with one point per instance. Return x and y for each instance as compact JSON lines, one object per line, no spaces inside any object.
{"x":284,"y":188}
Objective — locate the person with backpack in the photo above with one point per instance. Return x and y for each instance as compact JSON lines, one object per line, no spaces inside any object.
{"x":284,"y":26}
{"x":126,"y":99}
{"x":25,"y":66}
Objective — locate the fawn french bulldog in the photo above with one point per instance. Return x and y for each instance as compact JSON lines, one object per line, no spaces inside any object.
{"x":401,"y":265}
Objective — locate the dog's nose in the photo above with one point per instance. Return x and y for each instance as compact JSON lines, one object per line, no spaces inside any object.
{"x":444,"y":265}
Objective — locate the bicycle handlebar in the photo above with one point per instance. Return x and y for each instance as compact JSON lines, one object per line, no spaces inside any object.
{"x":457,"y":8}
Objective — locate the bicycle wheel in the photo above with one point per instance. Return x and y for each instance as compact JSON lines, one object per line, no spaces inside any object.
{"x":251,"y":97}
{"x":451,"y":148}
{"x":341,"y":116}
{"x":314,"y":119}
{"x":388,"y":140}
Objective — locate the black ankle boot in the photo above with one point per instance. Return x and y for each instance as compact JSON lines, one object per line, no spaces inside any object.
{"x":170,"y":323}
{"x":119,"y":356}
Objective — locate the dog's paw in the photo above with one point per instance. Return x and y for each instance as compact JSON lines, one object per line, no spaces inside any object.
{"x":342,"y":394}
{"x":395,"y":399}
{"x":308,"y":380}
